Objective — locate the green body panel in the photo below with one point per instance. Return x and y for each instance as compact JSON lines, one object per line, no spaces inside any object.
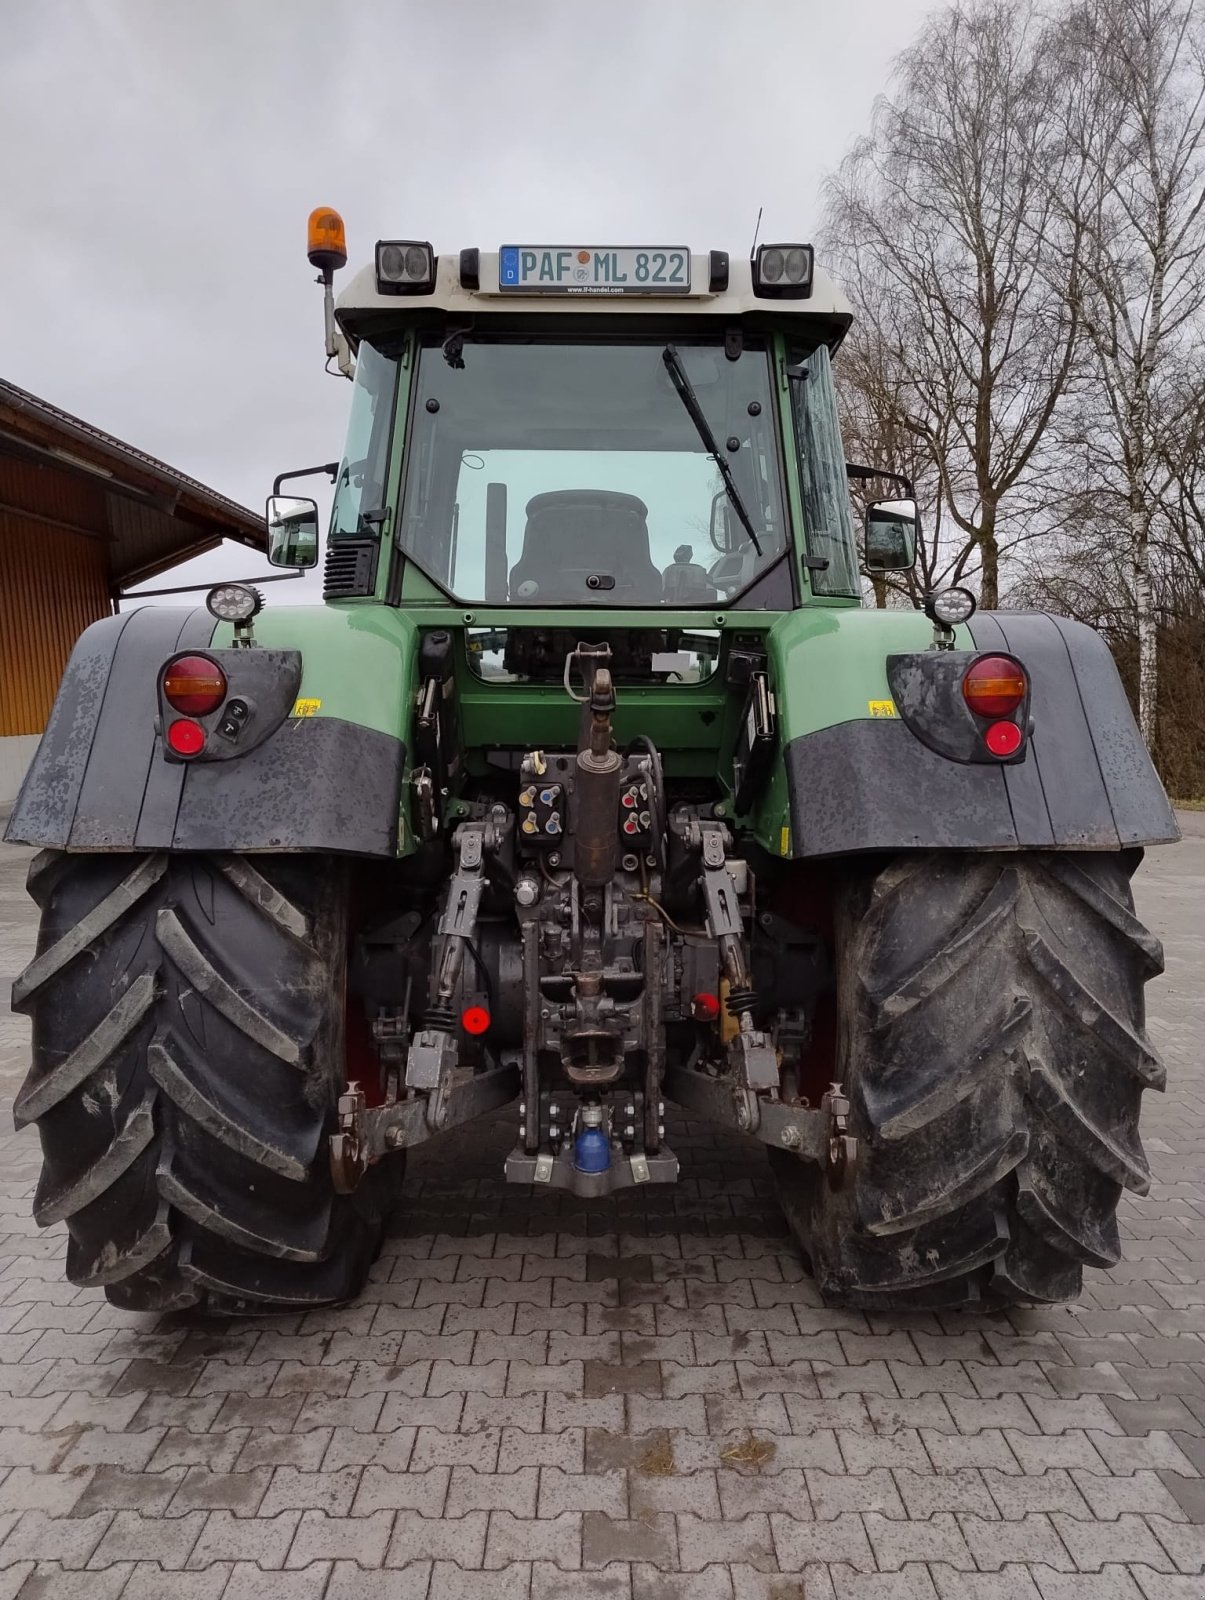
{"x":357,"y":659}
{"x":829,"y":665}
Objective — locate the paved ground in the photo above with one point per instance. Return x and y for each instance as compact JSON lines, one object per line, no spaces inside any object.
{"x":646,"y":1401}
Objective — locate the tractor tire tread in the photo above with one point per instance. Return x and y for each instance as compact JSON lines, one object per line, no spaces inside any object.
{"x":187,"y":1012}
{"x":995,"y":1056}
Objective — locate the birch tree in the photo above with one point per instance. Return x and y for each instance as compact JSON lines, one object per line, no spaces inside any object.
{"x":1132,"y":100}
{"x":943,"y":226}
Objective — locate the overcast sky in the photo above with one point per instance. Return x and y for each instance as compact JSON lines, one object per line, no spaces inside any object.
{"x":158,"y":160}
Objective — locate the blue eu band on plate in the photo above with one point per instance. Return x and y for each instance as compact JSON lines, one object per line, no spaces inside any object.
{"x":582,"y":269}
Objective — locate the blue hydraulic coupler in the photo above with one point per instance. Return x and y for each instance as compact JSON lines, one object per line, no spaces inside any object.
{"x":592,"y":1147}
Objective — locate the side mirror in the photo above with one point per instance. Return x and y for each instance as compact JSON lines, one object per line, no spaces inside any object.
{"x":892,"y":530}
{"x":292,"y":531}
{"x":723,"y":534}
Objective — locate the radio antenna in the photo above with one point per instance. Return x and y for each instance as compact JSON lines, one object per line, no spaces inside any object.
{"x":756,"y":231}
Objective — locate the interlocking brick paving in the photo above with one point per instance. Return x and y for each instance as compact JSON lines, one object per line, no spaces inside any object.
{"x":642,"y":1399}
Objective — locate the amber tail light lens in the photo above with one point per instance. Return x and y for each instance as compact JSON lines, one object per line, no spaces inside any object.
{"x":994,"y":686}
{"x":194,"y":685}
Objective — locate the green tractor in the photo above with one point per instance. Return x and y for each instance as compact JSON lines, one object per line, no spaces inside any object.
{"x":591,"y":788}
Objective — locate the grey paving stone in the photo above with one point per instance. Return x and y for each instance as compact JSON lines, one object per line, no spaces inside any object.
{"x":49,"y":1580}
{"x":799,"y":1544}
{"x":1013,"y":1582}
{"x":1188,"y":1493}
{"x":350,"y":1581}
{"x":605,"y":1539}
{"x":550,"y":1582}
{"x":1120,"y":1541}
{"x":264,"y":1540}
{"x":557,"y":1539}
{"x":250,"y":1582}
{"x":149,"y":1581}
{"x":131,"y":1536}
{"x":35,"y":1536}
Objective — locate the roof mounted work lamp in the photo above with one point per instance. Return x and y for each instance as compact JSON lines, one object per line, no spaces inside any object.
{"x":783,"y":271}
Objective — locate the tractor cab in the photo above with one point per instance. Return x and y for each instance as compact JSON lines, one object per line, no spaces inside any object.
{"x":620,"y":429}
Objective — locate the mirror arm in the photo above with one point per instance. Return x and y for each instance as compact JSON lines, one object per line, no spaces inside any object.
{"x":195,"y":588}
{"x":861,"y":474}
{"x":331,"y":468}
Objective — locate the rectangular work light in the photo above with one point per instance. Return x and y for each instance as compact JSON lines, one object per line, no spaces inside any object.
{"x":405,"y":266}
{"x":783,"y":271}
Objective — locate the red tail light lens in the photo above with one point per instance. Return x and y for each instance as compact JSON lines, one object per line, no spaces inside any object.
{"x":194,"y":685}
{"x":994,"y":686}
{"x":186,"y":738}
{"x":1003,"y":739}
{"x":475,"y":1020}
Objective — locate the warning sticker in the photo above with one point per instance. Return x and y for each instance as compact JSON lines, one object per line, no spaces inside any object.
{"x":881,"y":708}
{"x":307,"y":708}
{"x":784,"y":842}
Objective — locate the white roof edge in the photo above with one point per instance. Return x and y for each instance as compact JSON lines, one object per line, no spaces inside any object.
{"x":825,"y":300}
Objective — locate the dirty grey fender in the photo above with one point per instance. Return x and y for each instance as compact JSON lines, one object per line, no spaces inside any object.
{"x":101,"y":778}
{"x":1085,"y":781}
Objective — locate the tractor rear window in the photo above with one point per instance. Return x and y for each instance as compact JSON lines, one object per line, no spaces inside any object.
{"x":547,"y":473}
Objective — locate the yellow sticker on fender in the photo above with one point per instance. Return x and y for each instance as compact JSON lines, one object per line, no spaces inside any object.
{"x":307,"y":708}
{"x":881,"y":708}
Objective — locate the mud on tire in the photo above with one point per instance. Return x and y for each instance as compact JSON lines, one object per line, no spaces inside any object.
{"x":187,"y":1045}
{"x":994,"y":1049}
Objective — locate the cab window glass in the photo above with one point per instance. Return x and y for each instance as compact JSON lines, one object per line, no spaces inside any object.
{"x":545,"y":472}
{"x":360,"y":486}
{"x":828,"y":516}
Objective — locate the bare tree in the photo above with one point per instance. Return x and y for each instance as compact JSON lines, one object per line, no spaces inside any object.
{"x":877,"y":436}
{"x":1131,"y":83}
{"x":962,"y":268}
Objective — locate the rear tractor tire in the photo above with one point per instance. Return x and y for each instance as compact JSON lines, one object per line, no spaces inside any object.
{"x":187,"y":1057}
{"x":994,"y":1051}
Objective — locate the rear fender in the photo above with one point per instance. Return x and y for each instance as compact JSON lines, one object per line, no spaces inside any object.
{"x":863,"y":771}
{"x":320,"y":765}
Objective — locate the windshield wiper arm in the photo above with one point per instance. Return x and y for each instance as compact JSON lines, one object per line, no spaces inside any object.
{"x":686,"y":393}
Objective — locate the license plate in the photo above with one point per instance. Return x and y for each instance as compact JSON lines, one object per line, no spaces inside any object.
{"x":577,"y":269}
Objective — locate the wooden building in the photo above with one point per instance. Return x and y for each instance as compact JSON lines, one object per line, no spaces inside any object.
{"x":82,"y":518}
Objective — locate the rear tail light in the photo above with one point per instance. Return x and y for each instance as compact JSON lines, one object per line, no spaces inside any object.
{"x":1003,"y":739}
{"x":994,"y":686}
{"x":475,"y":1020}
{"x":194,"y":685}
{"x":185,"y":738}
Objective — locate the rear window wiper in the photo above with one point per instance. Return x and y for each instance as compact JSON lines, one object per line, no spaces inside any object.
{"x":677,"y":374}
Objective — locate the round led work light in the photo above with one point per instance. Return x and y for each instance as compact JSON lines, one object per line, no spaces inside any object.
{"x":234,"y":602}
{"x":951,"y":606}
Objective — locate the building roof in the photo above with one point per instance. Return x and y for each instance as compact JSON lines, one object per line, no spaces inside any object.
{"x":150,"y":515}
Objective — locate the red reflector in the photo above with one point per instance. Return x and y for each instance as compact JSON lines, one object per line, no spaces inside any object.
{"x":194,"y":684}
{"x":186,"y":738}
{"x":1003,"y":738}
{"x":705,"y":1007}
{"x":994,"y":686}
{"x":474,"y":1019}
